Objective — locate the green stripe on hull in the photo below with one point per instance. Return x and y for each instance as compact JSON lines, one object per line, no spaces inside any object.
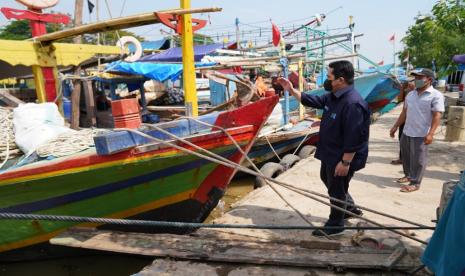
{"x":40,"y":189}
{"x":107,"y":204}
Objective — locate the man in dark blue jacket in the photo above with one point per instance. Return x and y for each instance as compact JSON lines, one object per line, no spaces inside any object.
{"x":344,"y":131}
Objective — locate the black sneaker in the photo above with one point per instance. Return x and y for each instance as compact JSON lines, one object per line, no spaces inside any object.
{"x":355,"y":211}
{"x":328,"y":231}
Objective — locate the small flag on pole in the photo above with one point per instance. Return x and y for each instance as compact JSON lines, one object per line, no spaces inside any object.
{"x":392,"y":38}
{"x":276,"y":34}
{"x":90,"y":6}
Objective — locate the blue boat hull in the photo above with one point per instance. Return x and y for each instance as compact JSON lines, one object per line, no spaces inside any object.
{"x":377,"y":89}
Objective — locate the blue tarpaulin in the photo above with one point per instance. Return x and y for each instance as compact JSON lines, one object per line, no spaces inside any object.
{"x":175,"y":54}
{"x":155,"y":71}
{"x":151,"y":45}
{"x":460,"y":59}
{"x":445,"y":253}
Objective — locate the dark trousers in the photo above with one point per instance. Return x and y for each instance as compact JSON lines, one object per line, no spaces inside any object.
{"x":401,"y":130}
{"x":338,"y":187}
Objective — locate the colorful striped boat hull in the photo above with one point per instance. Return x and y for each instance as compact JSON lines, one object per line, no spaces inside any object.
{"x":151,"y":182}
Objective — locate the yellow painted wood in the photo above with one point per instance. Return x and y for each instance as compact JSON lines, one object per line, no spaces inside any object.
{"x":301,"y":88}
{"x":187,"y":41}
{"x":29,"y":53}
{"x":39,"y":83}
{"x":74,"y":54}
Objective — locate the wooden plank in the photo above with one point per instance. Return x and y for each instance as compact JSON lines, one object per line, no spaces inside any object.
{"x":9,"y":99}
{"x":91,"y":109}
{"x":117,"y":23}
{"x":75,"y":100}
{"x":229,"y":250}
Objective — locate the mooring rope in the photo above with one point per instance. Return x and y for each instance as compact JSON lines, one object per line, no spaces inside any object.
{"x":302,"y":216}
{"x":225,"y":162}
{"x":177,"y":224}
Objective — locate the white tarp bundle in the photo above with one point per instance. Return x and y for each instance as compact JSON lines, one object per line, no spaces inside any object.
{"x":36,"y":124}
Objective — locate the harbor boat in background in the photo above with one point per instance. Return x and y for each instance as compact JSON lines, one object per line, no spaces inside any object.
{"x":149,"y":181}
{"x":378,"y":89}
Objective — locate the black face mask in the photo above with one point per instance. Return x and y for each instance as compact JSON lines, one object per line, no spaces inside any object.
{"x":328,"y":85}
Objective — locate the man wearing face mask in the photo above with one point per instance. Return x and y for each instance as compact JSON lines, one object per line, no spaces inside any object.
{"x":343,"y":145}
{"x":422,"y":115}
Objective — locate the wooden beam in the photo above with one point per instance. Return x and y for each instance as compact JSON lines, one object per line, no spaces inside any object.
{"x":91,"y":110}
{"x":75,"y":100}
{"x":188,"y":72}
{"x":9,"y":99}
{"x":30,"y":53}
{"x":309,"y":253}
{"x":117,"y":23}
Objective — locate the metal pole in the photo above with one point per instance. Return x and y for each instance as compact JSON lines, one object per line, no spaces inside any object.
{"x":238,"y":41}
{"x":188,"y":74}
{"x":352,"y":39}
{"x":301,"y":88}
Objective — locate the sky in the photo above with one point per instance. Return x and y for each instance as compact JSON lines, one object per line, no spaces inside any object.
{"x":377,"y":20}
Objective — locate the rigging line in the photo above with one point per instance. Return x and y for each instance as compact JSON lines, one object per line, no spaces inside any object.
{"x":122,"y":8}
{"x":225,"y":162}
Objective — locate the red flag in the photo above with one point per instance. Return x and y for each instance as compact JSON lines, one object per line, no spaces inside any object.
{"x":276,"y":34}
{"x":381,"y":62}
{"x":392,"y":38}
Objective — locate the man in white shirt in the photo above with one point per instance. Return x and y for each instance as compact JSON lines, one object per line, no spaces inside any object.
{"x":422,"y":115}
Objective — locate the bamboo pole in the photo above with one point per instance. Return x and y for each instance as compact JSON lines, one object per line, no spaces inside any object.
{"x":259,"y":62}
{"x":118,"y":23}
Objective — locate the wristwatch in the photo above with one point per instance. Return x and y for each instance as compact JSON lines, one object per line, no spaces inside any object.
{"x":345,"y":162}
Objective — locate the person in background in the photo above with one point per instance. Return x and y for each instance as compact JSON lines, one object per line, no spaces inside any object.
{"x":343,"y":144}
{"x":422,"y":115}
{"x":406,"y":87}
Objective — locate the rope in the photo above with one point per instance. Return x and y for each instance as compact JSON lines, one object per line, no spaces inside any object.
{"x":152,"y":223}
{"x":303,"y":140}
{"x":68,"y":143}
{"x":302,"y":216}
{"x":302,"y":189}
{"x":225,"y":162}
{"x":271,"y":146}
{"x":8,"y":147}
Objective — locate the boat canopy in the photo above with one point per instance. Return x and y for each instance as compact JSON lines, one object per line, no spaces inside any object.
{"x":156,"y":71}
{"x":175,"y":54}
{"x":460,"y":59}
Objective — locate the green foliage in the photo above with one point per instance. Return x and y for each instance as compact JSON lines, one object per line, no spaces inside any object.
{"x":438,"y":37}
{"x":21,"y":30}
{"x":110,"y":38}
{"x":16,"y":30}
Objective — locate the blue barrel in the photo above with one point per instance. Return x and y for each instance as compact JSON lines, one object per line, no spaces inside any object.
{"x":67,"y":108}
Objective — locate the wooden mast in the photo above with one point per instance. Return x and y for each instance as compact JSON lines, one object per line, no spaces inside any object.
{"x":188,"y":74}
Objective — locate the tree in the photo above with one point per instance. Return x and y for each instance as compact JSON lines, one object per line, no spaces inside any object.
{"x":16,"y":30}
{"x":110,"y":38}
{"x":437,"y":37}
{"x":21,"y":30}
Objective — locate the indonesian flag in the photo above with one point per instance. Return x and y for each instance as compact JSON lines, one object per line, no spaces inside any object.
{"x":392,"y":38}
{"x":276,"y":34}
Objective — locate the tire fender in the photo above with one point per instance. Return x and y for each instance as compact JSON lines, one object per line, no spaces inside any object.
{"x":270,"y":169}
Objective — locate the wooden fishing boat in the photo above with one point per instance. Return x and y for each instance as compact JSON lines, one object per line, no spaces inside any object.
{"x":377,"y":88}
{"x":268,"y":145}
{"x":151,"y":181}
